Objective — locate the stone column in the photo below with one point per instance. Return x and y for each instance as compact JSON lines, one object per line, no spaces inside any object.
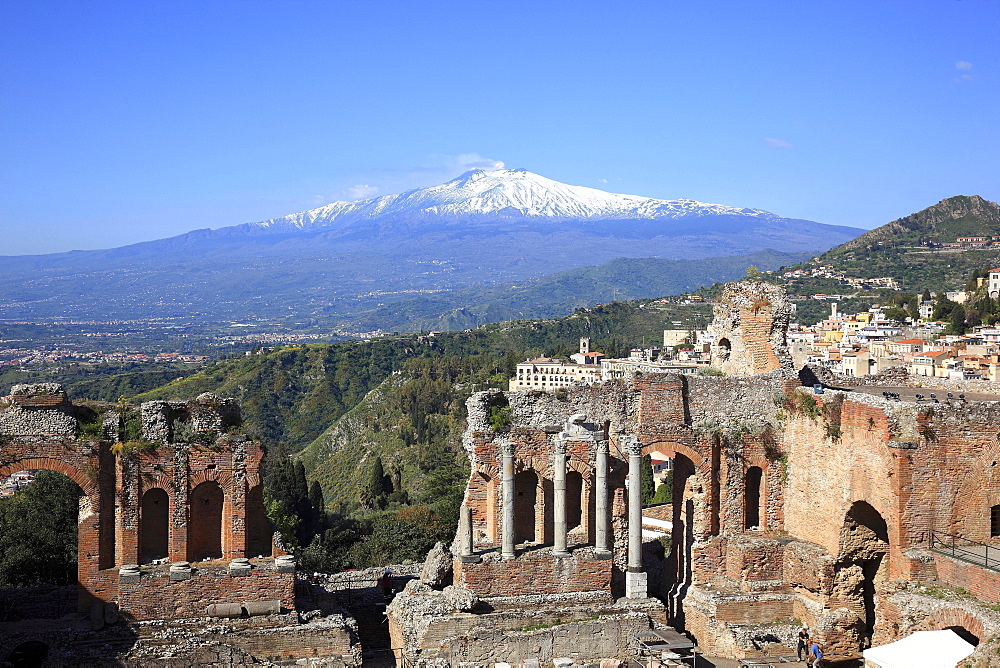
{"x":559,"y":497}
{"x":635,"y":577}
{"x":466,"y":555}
{"x":602,"y":543}
{"x":507,"y":541}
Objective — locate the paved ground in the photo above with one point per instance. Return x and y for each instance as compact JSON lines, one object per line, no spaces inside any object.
{"x":984,"y":555}
{"x":910,"y":394}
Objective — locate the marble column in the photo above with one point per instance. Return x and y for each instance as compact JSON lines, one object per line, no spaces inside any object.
{"x":466,"y":555}
{"x":559,"y":497}
{"x":507,"y":541}
{"x":602,"y":534}
{"x":635,"y":576}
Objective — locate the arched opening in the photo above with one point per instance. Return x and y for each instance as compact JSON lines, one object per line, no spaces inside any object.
{"x":39,"y":533}
{"x":964,"y":634}
{"x":491,"y":510}
{"x":29,"y":654}
{"x":679,"y":567}
{"x":574,"y":500}
{"x":525,"y":497}
{"x":259,"y":530}
{"x":995,"y":521}
{"x":205,"y":523}
{"x":725,"y":349}
{"x":864,"y":543}
{"x":154,"y":523}
{"x":751,"y":498}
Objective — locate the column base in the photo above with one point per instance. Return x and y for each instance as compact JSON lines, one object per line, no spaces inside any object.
{"x":560,"y":555}
{"x":635,"y":585}
{"x":603,"y":554}
{"x":508,"y":557}
{"x":469,"y":558}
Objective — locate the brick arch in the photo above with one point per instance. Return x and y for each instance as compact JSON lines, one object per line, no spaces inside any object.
{"x":583,"y":468}
{"x":86,"y":482}
{"x":945,"y":617}
{"x":223,"y":478}
{"x":701,"y":465}
{"x":159,"y":480}
{"x":491,"y":471}
{"x":253,"y":479}
{"x":529,"y":463}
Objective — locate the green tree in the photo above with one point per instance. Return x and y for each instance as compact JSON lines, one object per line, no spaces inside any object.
{"x":647,"y":482}
{"x":38,"y":533}
{"x":957,"y":325}
{"x":665,"y":492}
{"x":373,"y":494}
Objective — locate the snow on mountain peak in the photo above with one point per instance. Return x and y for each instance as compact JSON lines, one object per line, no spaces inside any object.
{"x":509,"y":192}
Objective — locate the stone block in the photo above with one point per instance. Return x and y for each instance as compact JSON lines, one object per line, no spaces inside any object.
{"x":239,"y":570}
{"x":225,"y":610}
{"x":284,"y":564}
{"x":180,"y":571}
{"x":635,"y":585}
{"x":255,"y":608}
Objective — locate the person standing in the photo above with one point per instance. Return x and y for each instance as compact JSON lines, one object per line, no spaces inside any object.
{"x":817,"y":654}
{"x":802,"y":648}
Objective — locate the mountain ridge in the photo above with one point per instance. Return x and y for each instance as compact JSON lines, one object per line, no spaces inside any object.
{"x":484,"y":228}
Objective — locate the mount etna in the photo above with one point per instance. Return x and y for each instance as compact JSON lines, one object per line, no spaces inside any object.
{"x":485,"y":231}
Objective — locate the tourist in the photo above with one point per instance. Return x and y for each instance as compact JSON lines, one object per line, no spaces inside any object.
{"x":816,"y":653}
{"x":802,"y":648}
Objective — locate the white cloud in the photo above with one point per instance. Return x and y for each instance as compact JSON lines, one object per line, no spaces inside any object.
{"x":467,"y":161}
{"x":604,"y":180}
{"x":778,"y":143}
{"x":362,"y":191}
{"x":966,"y":67}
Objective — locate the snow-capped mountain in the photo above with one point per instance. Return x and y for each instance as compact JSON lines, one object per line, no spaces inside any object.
{"x":508,"y":193}
{"x":392,"y":256}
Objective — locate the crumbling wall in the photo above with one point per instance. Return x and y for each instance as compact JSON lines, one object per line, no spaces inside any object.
{"x":36,"y":409}
{"x":750,"y":322}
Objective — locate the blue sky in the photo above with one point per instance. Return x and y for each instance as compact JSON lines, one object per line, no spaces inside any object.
{"x":128,"y":121}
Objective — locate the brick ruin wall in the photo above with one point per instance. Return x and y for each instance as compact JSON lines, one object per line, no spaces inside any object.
{"x":748,"y":328}
{"x":39,"y":427}
{"x":158,"y":596}
{"x":919,"y":467}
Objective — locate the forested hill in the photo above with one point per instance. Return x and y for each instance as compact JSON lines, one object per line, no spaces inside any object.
{"x":911,"y":249}
{"x":291,"y":395}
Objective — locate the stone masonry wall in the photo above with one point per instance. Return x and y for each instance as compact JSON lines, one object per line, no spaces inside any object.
{"x":749,"y":323}
{"x":155,"y":596}
{"x":547,"y":575}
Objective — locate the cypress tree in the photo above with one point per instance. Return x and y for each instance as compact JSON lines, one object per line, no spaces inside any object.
{"x":648,"y":485}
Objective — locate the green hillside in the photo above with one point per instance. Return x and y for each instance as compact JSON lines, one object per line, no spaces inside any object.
{"x":910,"y":249}
{"x":291,"y":395}
{"x":547,"y":296}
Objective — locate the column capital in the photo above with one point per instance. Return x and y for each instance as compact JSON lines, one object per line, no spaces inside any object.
{"x":559,"y":446}
{"x":506,"y":448}
{"x":630,"y":445}
{"x":601,"y":446}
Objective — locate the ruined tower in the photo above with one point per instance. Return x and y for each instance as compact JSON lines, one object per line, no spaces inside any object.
{"x":749,"y":328}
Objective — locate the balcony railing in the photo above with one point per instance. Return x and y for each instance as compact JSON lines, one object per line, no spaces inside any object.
{"x":967,"y":550}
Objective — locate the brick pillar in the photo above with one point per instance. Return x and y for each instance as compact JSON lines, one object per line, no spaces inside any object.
{"x":635,"y":577}
{"x":507,"y":526}
{"x":559,"y":497}
{"x":602,"y":535}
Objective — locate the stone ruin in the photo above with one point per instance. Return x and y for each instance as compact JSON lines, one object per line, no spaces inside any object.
{"x":790,"y":508}
{"x":750,"y":321}
{"x":175,"y":552}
